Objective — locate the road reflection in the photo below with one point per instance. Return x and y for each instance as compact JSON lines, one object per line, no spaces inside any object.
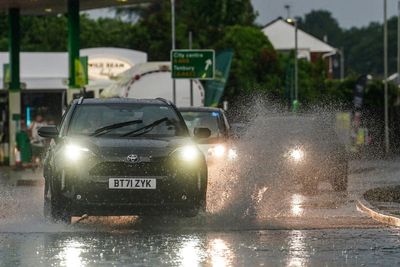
{"x":298,"y":254}
{"x":190,"y":253}
{"x":215,"y":252}
{"x":296,"y":205}
{"x":70,"y":255}
{"x":220,"y":252}
{"x":337,"y":247}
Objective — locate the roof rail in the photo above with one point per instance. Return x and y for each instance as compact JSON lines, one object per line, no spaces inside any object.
{"x":80,"y":101}
{"x":164,"y":100}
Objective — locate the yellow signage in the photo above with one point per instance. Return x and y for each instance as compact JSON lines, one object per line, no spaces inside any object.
{"x":81,"y":77}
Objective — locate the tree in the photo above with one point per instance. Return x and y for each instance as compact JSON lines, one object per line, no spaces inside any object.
{"x":207,"y":19}
{"x":255,"y":65}
{"x":321,"y":24}
{"x":106,"y":32}
{"x":44,"y":33}
{"x":363,"y":47}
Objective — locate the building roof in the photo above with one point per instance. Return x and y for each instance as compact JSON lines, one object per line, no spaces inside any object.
{"x":282,"y":36}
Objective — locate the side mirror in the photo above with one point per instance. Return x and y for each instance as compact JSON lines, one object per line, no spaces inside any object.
{"x":48,"y":131}
{"x":201,"y":132}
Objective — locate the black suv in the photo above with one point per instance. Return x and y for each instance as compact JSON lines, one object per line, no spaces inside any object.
{"x":123,"y":157}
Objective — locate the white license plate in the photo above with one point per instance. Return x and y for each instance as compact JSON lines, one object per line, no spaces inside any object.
{"x":132,"y":183}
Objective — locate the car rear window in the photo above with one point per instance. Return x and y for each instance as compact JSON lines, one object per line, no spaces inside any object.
{"x":203,"y":119}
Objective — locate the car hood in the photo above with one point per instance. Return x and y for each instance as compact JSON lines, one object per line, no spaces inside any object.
{"x":117,"y":147}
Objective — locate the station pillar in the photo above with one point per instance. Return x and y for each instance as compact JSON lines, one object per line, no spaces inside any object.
{"x":14,"y":91}
{"x":73,"y":47}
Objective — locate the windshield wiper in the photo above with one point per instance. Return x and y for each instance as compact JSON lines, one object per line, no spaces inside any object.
{"x":146,"y":128}
{"x":108,"y":128}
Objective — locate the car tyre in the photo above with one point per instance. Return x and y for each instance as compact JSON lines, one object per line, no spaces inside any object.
{"x":191,"y":212}
{"x":202,"y":206}
{"x":54,"y":208}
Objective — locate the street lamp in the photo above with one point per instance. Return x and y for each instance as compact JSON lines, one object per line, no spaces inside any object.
{"x":398,"y":55}
{"x":296,"y":65}
{"x":173,"y":46}
{"x":342,"y":64}
{"x":398,"y":43}
{"x":296,"y":52}
{"x":385,"y":63}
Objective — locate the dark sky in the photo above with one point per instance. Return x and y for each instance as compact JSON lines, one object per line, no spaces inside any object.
{"x":347,"y":12}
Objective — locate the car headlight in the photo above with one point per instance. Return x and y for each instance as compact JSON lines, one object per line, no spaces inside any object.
{"x":217,"y":151}
{"x":189,"y":153}
{"x":296,"y":154}
{"x":74,"y":152}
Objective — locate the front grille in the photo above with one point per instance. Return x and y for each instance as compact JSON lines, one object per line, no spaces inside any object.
{"x":129,"y":169}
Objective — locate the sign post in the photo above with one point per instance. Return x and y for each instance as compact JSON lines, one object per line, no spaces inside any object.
{"x":193,"y":64}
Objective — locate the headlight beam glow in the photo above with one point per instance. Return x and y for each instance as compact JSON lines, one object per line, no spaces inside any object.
{"x":189,"y":153}
{"x":297,"y":154}
{"x":219,"y":150}
{"x":74,"y":152}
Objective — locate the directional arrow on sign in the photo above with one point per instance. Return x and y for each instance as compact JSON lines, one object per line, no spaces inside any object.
{"x":208,"y":64}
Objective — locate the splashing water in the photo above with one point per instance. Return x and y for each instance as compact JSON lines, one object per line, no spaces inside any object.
{"x":253,"y":188}
{"x":240,"y":194}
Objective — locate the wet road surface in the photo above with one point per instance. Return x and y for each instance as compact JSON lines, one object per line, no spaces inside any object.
{"x":344,"y":247}
{"x":281,"y":228}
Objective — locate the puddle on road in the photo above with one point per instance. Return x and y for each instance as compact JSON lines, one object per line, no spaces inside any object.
{"x":251,"y":193}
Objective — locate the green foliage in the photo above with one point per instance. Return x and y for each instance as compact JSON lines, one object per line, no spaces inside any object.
{"x":207,"y":19}
{"x":340,"y":91}
{"x":106,"y":32}
{"x":321,"y":24}
{"x":374,"y":94}
{"x":363,"y":47}
{"x":221,"y":24}
{"x":255,"y":64}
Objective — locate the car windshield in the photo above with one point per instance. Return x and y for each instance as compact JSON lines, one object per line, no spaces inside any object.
{"x":202,"y":119}
{"x":118,"y":120}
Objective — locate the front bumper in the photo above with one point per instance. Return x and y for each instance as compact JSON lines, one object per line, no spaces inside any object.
{"x":95,"y":198}
{"x":177,"y":189}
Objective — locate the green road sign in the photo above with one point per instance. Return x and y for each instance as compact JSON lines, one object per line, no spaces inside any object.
{"x":193,"y":64}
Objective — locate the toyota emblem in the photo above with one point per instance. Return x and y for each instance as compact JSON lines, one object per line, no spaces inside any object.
{"x":132,"y":158}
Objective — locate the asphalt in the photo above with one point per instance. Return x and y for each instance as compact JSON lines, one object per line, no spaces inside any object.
{"x":381,"y":202}
{"x":21,"y":177}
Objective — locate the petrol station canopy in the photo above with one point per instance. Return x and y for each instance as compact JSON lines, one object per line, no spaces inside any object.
{"x":43,"y":7}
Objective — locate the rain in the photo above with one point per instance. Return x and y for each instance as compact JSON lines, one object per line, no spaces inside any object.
{"x":194,"y":133}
